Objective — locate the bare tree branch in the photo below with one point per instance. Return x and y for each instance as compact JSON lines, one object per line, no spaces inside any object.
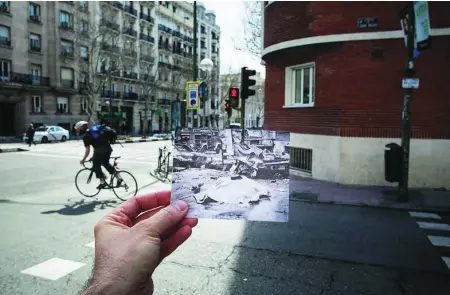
{"x":252,"y":29}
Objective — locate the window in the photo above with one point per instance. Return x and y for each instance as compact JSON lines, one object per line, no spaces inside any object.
{"x":301,"y":159}
{"x":202,"y":29}
{"x":66,"y":48}
{"x":67,"y":77}
{"x":65,"y":19}
{"x":84,"y":26}
{"x":4,"y":36}
{"x":125,"y":89}
{"x":84,"y":105}
{"x":202,"y":44}
{"x":84,"y":52}
{"x":84,"y":5}
{"x":62,"y":105}
{"x":299,"y":87}
{"x":36,"y":104}
{"x":35,"y":72}
{"x":4,"y":6}
{"x":5,"y":68}
{"x":35,"y":12}
{"x":35,"y":42}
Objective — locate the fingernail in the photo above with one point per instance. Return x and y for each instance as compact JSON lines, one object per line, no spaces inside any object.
{"x":179,"y":205}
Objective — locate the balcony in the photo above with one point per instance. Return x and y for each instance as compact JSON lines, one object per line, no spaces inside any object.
{"x":165,"y":47}
{"x":164,"y":29}
{"x":176,"y":68}
{"x":110,"y":48}
{"x":66,"y":51}
{"x":67,"y":83}
{"x":35,"y":18}
{"x":130,"y":96}
{"x":177,"y":34}
{"x":162,"y":64}
{"x":66,"y":26}
{"x":130,"y":10}
{"x":131,"y":75}
{"x":35,"y":47}
{"x":146,"y":17}
{"x":147,"y":58}
{"x":130,"y":32}
{"x":110,"y":94}
{"x":109,"y":24}
{"x":5,"y":41}
{"x":146,"y":37}
{"x":188,"y":39}
{"x":130,"y":53}
{"x":147,"y":78}
{"x":25,"y":79}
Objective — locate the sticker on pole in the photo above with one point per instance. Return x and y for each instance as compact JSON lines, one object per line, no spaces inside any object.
{"x":192,"y":95}
{"x":410,"y":83}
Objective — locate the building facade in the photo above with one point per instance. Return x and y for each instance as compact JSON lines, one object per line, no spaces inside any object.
{"x":337,"y":87}
{"x":254,"y":106}
{"x":208,"y":37}
{"x":66,"y":61}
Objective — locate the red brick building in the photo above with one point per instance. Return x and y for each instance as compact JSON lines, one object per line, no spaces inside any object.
{"x":338,"y":88}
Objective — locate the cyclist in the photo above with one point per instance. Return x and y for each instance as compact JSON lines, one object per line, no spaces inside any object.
{"x":100,"y":137}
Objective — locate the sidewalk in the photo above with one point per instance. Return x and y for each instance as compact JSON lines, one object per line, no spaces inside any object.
{"x":310,"y":190}
{"x":6,"y":147}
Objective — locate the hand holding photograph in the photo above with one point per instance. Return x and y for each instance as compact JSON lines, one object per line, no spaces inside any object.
{"x":232,"y":174}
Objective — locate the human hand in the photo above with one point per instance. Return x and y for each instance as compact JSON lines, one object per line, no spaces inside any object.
{"x":82,"y":162}
{"x":130,"y":242}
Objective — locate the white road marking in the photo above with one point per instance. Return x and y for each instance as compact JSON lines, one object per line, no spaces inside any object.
{"x":72,"y":157}
{"x":53,"y":269}
{"x":439,"y":241}
{"x":447,"y":261}
{"x":90,"y":245}
{"x":424,"y":215}
{"x":433,"y":225}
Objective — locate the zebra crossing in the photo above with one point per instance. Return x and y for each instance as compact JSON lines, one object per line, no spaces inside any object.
{"x":437,"y":230}
{"x":138,"y":153}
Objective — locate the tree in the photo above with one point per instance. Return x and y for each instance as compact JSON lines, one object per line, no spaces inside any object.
{"x":252,"y":24}
{"x":149,"y":79}
{"x":100,"y":56}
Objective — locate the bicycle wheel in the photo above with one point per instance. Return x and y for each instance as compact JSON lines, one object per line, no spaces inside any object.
{"x":128,"y":187}
{"x":84,"y":185}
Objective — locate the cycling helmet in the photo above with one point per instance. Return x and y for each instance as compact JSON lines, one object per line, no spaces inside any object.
{"x":81,"y":127}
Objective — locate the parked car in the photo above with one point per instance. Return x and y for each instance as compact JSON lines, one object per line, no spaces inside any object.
{"x":49,"y":133}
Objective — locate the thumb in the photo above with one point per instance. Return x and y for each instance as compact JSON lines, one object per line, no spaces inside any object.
{"x":167,"y":217}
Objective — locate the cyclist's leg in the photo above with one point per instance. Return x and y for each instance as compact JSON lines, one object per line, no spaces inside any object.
{"x":97,"y":160}
{"x":106,"y":163}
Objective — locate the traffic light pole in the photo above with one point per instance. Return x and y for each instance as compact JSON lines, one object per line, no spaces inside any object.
{"x":195,"y":54}
{"x":406,"y":114}
{"x":242,"y":118}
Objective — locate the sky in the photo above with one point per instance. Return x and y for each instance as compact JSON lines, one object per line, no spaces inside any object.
{"x":230,"y":16}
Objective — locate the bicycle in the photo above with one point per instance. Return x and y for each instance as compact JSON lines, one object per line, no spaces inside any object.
{"x":114,"y":183}
{"x":162,"y":171}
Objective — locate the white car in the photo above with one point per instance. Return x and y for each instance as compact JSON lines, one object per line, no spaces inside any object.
{"x":49,"y":133}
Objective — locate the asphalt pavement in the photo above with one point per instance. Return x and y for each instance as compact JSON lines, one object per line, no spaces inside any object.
{"x":47,"y":234}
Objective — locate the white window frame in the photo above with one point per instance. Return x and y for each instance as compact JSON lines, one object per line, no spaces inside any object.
{"x":37,"y":103}
{"x":289,"y":86}
{"x":62,"y":101}
{"x":84,"y":105}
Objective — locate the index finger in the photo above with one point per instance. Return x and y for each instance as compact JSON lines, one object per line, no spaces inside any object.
{"x":139,"y":204}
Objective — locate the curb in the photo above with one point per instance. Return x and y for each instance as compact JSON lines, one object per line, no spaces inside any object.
{"x":385,"y":207}
{"x":12,"y":150}
{"x":146,"y":140}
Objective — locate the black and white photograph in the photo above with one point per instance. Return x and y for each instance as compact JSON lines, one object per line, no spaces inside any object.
{"x":232,"y":173}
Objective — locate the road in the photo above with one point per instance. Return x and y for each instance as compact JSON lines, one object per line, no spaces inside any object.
{"x":47,"y":234}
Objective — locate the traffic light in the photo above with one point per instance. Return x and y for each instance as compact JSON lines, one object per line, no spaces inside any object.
{"x":246,"y":82}
{"x":228,"y":107}
{"x":234,"y":97}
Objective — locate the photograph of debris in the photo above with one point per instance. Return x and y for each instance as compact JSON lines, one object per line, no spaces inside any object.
{"x":232,"y":174}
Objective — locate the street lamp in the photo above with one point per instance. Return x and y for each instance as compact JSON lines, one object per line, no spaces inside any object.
{"x":206,"y":66}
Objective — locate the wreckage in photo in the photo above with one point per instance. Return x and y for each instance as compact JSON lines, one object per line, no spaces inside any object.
{"x":232,"y":173}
